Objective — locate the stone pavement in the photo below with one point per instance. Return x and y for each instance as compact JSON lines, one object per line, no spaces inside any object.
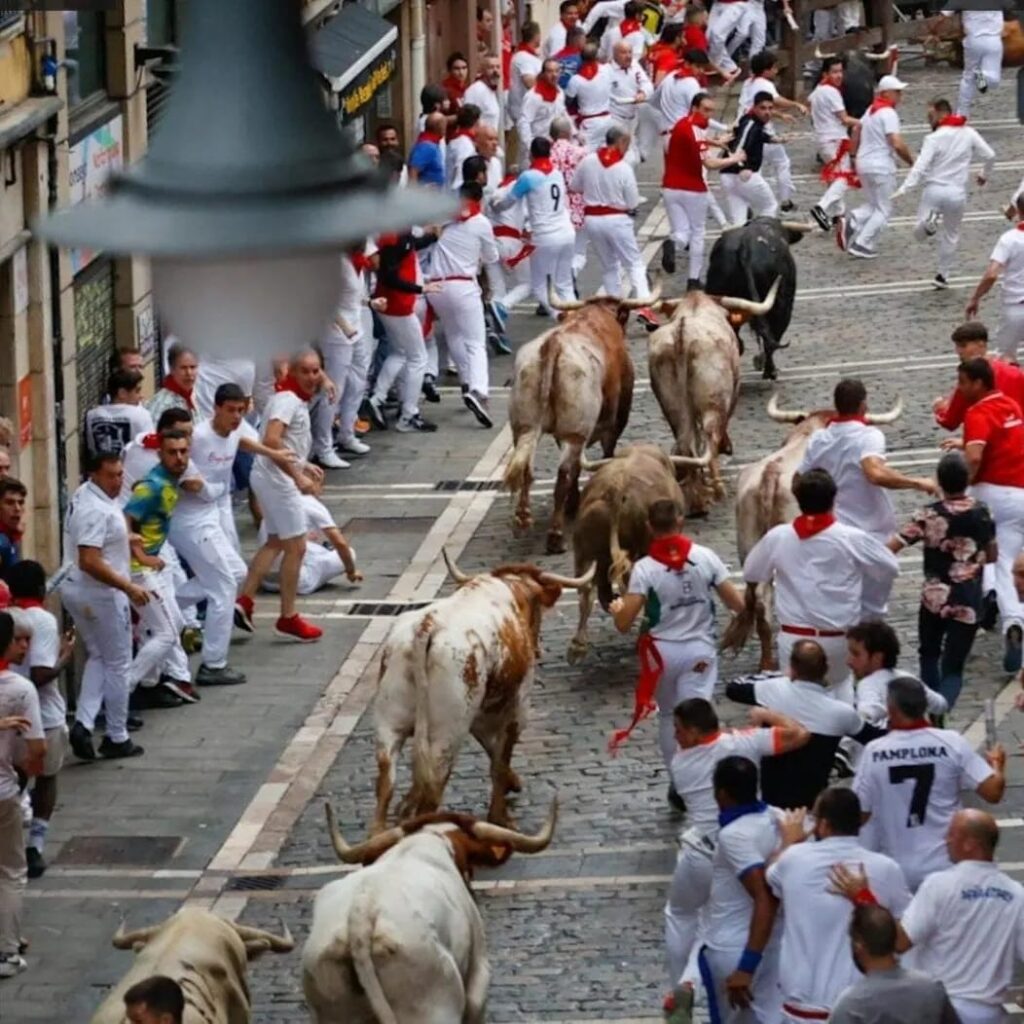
{"x":236,"y":784}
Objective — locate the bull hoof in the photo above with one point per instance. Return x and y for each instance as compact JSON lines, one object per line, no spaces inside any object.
{"x":522,"y":522}
{"x":769,"y":665}
{"x":513,"y":784}
{"x":556,"y":544}
{"x":576,"y":653}
{"x":697,"y":513}
{"x":758,"y":361}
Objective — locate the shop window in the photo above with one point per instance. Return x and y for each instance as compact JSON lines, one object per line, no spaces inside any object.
{"x":85,"y":40}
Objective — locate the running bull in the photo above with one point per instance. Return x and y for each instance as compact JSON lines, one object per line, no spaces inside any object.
{"x":943,"y":41}
{"x":401,"y":941}
{"x":205,"y":954}
{"x":575,"y":382}
{"x":694,"y":363}
{"x":764,"y":499}
{"x":463,"y":665}
{"x":611,"y":529}
{"x":745,"y":263}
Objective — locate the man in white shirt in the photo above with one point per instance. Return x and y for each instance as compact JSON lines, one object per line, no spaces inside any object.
{"x":541,"y":105}
{"x":611,"y":198}
{"x":524,"y":69}
{"x":910,"y":781}
{"x":701,"y":744}
{"x":455,"y":261}
{"x":110,"y":427}
{"x":568,"y":18}
{"x":590,"y":89}
{"x":1007,"y":259}
{"x":512,"y":237}
{"x":831,"y":124}
{"x":97,"y":592}
{"x":462,"y":144}
{"x":965,"y":923}
{"x":674,"y":95}
{"x":880,"y":144}
{"x":22,"y":747}
{"x":740,"y":958}
{"x":213,"y":372}
{"x":819,"y":567}
{"x":944,"y":168}
{"x":629,"y":30}
{"x":630,"y":90}
{"x":983,"y":53}
{"x":674,"y":584}
{"x":852,"y":451}
{"x":726,"y":17}
{"x":286,"y":426}
{"x":815,"y":962}
{"x":485,"y":92}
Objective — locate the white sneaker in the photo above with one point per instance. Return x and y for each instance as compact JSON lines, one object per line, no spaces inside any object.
{"x":980,"y":81}
{"x":931,"y":222}
{"x":11,"y":964}
{"x":331,"y":460}
{"x":353,"y":446}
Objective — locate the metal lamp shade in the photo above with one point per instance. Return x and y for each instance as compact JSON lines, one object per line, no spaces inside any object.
{"x":247,"y":159}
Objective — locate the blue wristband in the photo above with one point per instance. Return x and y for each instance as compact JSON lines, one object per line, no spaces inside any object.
{"x":749,"y":961}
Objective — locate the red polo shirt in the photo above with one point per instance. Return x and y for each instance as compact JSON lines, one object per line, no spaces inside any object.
{"x":996,"y":422}
{"x":684,"y":168}
{"x":1009,"y":380}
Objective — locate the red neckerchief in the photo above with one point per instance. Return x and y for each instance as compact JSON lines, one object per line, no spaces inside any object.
{"x":14,"y":535}
{"x":170,"y":384}
{"x":880,"y":104}
{"x":696,"y":120}
{"x":808,"y":526}
{"x":464,"y":133}
{"x":151,"y":442}
{"x":27,"y":602}
{"x":430,"y":137}
{"x":829,"y":85}
{"x":952,"y":121}
{"x":651,"y":667}
{"x":671,"y":551}
{"x":289,"y":383}
{"x":609,"y":155}
{"x":1020,"y":225}
{"x":507,"y":180}
{"x":852,"y":417}
{"x":4,"y":664}
{"x":542,"y":164}
{"x":547,"y":92}
{"x":361,"y":262}
{"x":628,"y":26}
{"x":589,"y":70}
{"x":920,"y":723}
{"x":453,"y":86}
{"x":685,"y":71}
{"x":526,"y":48}
{"x":471,"y":209}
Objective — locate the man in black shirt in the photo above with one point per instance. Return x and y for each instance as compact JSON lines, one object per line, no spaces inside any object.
{"x":795,"y":779}
{"x":744,"y":187}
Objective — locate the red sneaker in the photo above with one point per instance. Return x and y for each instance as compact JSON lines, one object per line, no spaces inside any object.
{"x":297,"y":628}
{"x":243,"y":614}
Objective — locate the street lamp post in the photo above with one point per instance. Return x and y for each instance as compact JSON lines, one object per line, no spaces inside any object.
{"x":248,"y":193}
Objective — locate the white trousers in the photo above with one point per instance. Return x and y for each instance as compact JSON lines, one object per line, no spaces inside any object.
{"x":552,"y":260}
{"x":687,"y":894}
{"x":687,"y":218}
{"x":831,"y":200}
{"x":594,"y":129}
{"x":220,"y":571}
{"x":188,"y":592}
{"x":407,"y":355}
{"x":747,"y":190}
{"x":1011,"y":330}
{"x":949,"y":201}
{"x":104,"y":624}
{"x":348,"y":364}
{"x":459,"y":309}
{"x":776,"y":162}
{"x":833,"y":646}
{"x":691,"y":670}
{"x":983,"y":54}
{"x":725,"y":18}
{"x":320,"y":565}
{"x":716,"y":965}
{"x":614,"y":240}
{"x":971,"y":1012}
{"x":868,"y":220}
{"x":1007,"y":507}
{"x":160,"y":626}
{"x":517,"y":278}
{"x":753,"y":27}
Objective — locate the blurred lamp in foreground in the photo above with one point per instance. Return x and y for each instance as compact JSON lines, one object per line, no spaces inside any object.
{"x":248,"y":193}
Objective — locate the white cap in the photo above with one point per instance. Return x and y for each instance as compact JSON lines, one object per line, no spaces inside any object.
{"x":890,"y":83}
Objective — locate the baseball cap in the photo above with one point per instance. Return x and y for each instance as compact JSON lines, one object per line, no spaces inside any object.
{"x":889,"y":83}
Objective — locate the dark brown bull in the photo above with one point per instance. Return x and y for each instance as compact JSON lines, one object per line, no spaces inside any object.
{"x":943,"y":41}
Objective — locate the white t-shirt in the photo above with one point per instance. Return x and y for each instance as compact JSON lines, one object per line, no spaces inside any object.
{"x":967,"y":927}
{"x":136,"y":461}
{"x":293,"y":412}
{"x":109,"y":428}
{"x":17,"y":697}
{"x":524,"y":62}
{"x":840,"y":448}
{"x":673,"y":96}
{"x":680,"y":603}
{"x":462,"y":247}
{"x":627,"y":84}
{"x":693,"y":769}
{"x":826,"y":103}
{"x":910,"y":783}
{"x":751,"y":87}
{"x":592,"y":95}
{"x":982,"y":23}
{"x":1009,"y":251}
{"x":812,"y":705}
{"x":43,"y":652}
{"x":213,"y":373}
{"x":874,"y":152}
{"x":815,"y":963}
{"x":547,"y":201}
{"x":213,"y":457}
{"x":481,"y":95}
{"x":743,"y":844}
{"x":873,"y":697}
{"x":95,"y":521}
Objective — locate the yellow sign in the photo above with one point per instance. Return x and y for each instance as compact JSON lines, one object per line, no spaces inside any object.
{"x":360,"y":92}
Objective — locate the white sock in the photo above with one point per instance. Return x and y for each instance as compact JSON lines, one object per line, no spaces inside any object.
{"x":37,"y":833}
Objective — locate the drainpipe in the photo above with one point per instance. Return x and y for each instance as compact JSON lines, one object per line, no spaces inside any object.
{"x":417,"y":55}
{"x":496,"y":39}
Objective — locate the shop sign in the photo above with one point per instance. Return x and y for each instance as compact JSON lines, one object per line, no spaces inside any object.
{"x":92,"y":162}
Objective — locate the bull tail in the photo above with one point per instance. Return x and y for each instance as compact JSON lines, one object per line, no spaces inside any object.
{"x":424,"y":795}
{"x":518,"y":470}
{"x":362,"y":921}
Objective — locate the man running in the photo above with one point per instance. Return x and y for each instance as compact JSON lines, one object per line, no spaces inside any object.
{"x":832,"y":125}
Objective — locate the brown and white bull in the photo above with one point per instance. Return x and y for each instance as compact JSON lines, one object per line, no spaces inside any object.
{"x":694,"y":363}
{"x":205,"y":955}
{"x":574,"y":382}
{"x":764,"y":499}
{"x":401,"y":941}
{"x":463,"y":665}
{"x":611,"y":530}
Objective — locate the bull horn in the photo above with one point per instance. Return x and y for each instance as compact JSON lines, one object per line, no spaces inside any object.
{"x":453,"y":570}
{"x":641,"y":303}
{"x":593,"y":467}
{"x":887,"y":417}
{"x":752,"y":308}
{"x":690,"y":460}
{"x":370,"y":849}
{"x":884,"y":55}
{"x":784,"y":415}
{"x":278,"y":943}
{"x":127,"y":940}
{"x":819,"y":54}
{"x":566,"y":305}
{"x":519,"y":842}
{"x":797,"y":225}
{"x":571,"y":582}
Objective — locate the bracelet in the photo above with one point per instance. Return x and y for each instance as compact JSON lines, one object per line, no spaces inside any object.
{"x":750,"y":959}
{"x":864,"y":898}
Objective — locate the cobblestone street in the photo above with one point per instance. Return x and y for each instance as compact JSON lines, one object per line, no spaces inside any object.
{"x":237,"y":784}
